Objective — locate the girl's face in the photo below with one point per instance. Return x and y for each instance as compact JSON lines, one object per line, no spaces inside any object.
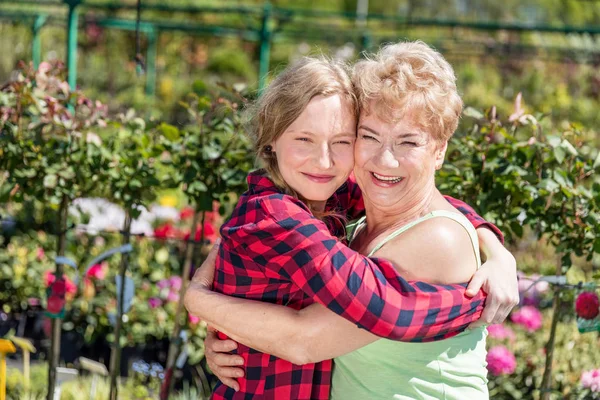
{"x":315,"y":154}
{"x":395,"y":162}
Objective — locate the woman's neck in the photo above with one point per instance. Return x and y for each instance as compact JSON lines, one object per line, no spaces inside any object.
{"x":414,"y":207}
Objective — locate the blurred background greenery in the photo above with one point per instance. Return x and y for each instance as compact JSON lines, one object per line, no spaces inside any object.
{"x":547,"y":50}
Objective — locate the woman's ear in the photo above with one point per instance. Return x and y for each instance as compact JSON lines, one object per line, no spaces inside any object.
{"x":440,"y":154}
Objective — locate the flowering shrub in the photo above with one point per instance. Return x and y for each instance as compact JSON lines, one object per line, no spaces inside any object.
{"x":528,"y":317}
{"x":501,"y":361}
{"x":591,"y":380}
{"x":587,"y":305}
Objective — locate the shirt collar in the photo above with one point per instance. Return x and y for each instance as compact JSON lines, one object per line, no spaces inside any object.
{"x":259,"y":182}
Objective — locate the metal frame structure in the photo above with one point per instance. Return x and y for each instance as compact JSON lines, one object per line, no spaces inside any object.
{"x":267,"y":24}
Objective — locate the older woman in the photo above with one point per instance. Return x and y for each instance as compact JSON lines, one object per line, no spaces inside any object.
{"x":409,"y":110}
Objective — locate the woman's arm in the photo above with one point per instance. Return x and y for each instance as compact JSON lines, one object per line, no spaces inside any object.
{"x":304,"y":336}
{"x":498,"y":277}
{"x":292,"y":245}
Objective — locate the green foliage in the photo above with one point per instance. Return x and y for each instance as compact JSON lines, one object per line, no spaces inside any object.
{"x":48,"y":147}
{"x":519,"y":176}
{"x":232,"y":61}
{"x":210,"y":156}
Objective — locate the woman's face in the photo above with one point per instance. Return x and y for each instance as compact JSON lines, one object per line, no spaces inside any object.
{"x":395,"y":162}
{"x":315,"y":154}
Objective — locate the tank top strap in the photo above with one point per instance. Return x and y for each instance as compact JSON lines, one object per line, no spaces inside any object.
{"x":356,"y":227}
{"x":459,"y":218}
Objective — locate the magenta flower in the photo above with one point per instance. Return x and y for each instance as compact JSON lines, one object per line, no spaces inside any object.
{"x":193,"y":319}
{"x":500,"y":332}
{"x":154,"y":302}
{"x":528,"y":317}
{"x":163,"y":283}
{"x":175,"y":282}
{"x":40,"y":254}
{"x":173,"y":296}
{"x":591,"y":380}
{"x":97,"y":272}
{"x":501,"y":361}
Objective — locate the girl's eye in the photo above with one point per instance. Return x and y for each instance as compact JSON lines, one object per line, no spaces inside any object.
{"x":343,"y":142}
{"x":368,"y":137}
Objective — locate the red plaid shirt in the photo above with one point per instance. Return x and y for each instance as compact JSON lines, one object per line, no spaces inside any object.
{"x":275,"y":250}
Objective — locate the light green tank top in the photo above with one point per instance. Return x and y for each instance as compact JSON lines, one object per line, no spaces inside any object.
{"x":453,"y":368}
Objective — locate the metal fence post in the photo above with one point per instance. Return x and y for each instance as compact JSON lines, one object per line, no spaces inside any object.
{"x":151,"y":61}
{"x":36,"y":45}
{"x":72,"y":26}
{"x":265,"y":47}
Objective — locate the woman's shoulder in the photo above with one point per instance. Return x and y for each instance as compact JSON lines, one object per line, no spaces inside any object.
{"x":437,"y":250}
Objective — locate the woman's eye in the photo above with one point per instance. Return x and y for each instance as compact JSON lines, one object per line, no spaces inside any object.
{"x":343,"y":142}
{"x":412,"y":144}
{"x":368,"y":137}
{"x":303,"y":139}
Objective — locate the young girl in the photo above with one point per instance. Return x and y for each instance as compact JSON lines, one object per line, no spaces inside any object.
{"x":284,"y":241}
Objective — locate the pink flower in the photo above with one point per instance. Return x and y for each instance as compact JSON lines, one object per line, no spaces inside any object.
{"x":591,"y":380}
{"x":97,"y":271}
{"x":40,"y":254}
{"x":193,"y":319}
{"x":587,"y":305}
{"x":163,"y":283}
{"x":49,"y":279}
{"x":501,"y":361}
{"x":528,"y":317}
{"x":154,"y":302}
{"x":530,"y":295}
{"x":173,"y":297}
{"x":175,"y":282}
{"x":501,"y":332}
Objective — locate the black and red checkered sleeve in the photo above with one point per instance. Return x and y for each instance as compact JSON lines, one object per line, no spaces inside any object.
{"x":474,"y":218}
{"x":293,"y":245}
{"x":350,"y":198}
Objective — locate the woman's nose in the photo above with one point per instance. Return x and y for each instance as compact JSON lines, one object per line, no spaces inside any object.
{"x":387,"y":160}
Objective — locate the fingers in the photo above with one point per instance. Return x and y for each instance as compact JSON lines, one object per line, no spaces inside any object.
{"x":221,"y":362}
{"x":489,"y":313}
{"x":476,"y":283}
{"x":206,"y":272}
{"x":232,"y":383}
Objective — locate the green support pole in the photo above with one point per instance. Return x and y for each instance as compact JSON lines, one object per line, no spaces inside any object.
{"x":72,"y":25}
{"x":365,"y":41}
{"x":265,"y":47}
{"x":36,"y":46}
{"x":151,"y":62}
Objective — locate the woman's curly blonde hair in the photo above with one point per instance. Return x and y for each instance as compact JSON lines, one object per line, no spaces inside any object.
{"x":410,"y":78}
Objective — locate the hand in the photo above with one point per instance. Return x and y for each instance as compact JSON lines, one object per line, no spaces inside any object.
{"x":498,"y":278}
{"x":205,"y":275}
{"x":220,"y":361}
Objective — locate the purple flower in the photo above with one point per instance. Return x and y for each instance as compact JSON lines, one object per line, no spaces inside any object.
{"x":501,"y":361}
{"x":530,"y":295}
{"x":163,"y":283}
{"x":501,"y":332}
{"x":591,"y":380}
{"x":154,"y":302}
{"x":528,"y":317}
{"x":175,"y":282}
